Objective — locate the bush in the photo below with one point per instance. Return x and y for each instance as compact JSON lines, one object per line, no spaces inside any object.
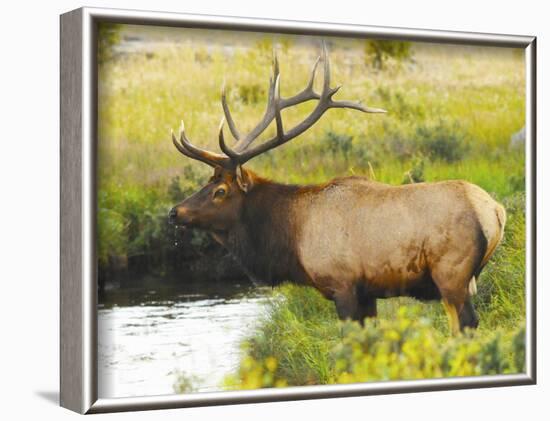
{"x":111,"y":231}
{"x":185,"y":383}
{"x":338,"y":143}
{"x":403,"y":105}
{"x":416,"y":173}
{"x":251,"y":94}
{"x":378,"y":52}
{"x":442,"y":141}
{"x":108,"y":37}
{"x":305,"y":347}
{"x":132,"y":222}
{"x":254,"y":374}
{"x":408,"y":347}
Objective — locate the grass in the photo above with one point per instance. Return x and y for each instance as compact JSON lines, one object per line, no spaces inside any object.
{"x":451,"y":112}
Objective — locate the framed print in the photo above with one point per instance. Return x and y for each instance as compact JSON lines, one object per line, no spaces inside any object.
{"x":258,"y":210}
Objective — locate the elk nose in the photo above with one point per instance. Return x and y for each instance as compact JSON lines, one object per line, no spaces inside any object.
{"x":172,"y":215}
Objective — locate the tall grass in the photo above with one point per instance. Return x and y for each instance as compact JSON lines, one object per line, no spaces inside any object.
{"x":300,"y":342}
{"x":478,"y":93}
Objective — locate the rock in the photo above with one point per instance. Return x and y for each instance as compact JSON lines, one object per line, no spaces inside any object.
{"x":517,"y":140}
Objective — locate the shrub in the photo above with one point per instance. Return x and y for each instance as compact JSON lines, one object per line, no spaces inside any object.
{"x":442,"y":141}
{"x":338,"y":143}
{"x":251,"y":94}
{"x":405,"y":106}
{"x":181,"y":188}
{"x":378,"y":52}
{"x":416,"y":173}
{"x":111,"y":227}
{"x":405,"y":347}
{"x":517,"y":182}
{"x":408,"y":347}
{"x":253,"y":374}
{"x":108,"y":37}
{"x":185,"y":383}
{"x":130,"y":222}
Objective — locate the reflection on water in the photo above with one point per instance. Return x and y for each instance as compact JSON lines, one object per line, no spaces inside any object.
{"x":146,"y":337}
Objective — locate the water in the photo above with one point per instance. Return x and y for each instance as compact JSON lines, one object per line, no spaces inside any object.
{"x":148,"y":336}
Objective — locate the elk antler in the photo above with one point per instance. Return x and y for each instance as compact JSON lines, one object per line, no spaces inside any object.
{"x":192,"y":151}
{"x":241,"y":152}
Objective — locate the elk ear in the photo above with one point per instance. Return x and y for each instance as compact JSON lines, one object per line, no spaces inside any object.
{"x":243,"y":179}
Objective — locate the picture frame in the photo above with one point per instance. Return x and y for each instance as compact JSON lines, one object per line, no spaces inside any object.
{"x":78,"y":201}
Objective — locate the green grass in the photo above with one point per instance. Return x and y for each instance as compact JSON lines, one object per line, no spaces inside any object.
{"x":453,"y":109}
{"x":307,"y":325}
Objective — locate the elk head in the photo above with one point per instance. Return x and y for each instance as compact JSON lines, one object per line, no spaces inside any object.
{"x":217,"y":206}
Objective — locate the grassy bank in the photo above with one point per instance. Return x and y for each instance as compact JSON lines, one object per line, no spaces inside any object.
{"x":305,"y":348}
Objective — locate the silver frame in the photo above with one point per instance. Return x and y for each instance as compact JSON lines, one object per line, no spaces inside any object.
{"x":78,"y":298}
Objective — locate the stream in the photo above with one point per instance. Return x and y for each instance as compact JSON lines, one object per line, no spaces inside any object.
{"x":149,"y":337}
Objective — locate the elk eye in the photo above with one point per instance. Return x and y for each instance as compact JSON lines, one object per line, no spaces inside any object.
{"x":219,"y":193}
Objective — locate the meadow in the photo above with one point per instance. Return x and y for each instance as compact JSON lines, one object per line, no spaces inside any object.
{"x":451,"y":111}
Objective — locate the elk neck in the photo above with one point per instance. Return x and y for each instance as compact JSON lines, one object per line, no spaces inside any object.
{"x":264,"y":239}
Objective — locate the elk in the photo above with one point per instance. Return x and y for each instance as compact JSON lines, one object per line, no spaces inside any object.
{"x":353,"y":239}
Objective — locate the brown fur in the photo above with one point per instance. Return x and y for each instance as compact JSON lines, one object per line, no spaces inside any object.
{"x":356,"y":240}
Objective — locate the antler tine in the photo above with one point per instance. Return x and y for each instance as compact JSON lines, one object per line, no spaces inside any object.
{"x":185,"y":147}
{"x":276,"y":106}
{"x":309,"y":86}
{"x":275,"y":64}
{"x":326,"y":70}
{"x":356,"y":106}
{"x":307,"y":94}
{"x":331,"y":92}
{"x":269,"y":113}
{"x":226,"y":149}
{"x":180,"y":148}
{"x":230,"y":121}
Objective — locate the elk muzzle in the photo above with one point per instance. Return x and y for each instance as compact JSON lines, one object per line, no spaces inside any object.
{"x":179,"y":215}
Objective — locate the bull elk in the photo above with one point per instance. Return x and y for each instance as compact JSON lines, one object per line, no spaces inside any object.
{"x":353,"y":239}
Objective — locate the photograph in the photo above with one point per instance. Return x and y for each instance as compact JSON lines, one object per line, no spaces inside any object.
{"x":279,"y":210}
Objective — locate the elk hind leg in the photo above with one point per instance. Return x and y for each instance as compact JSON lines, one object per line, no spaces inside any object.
{"x":454,"y":294}
{"x":452,"y":315}
{"x":468,"y":316}
{"x":472,"y":287}
{"x":452,"y":276}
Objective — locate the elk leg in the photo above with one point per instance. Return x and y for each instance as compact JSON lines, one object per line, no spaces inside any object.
{"x":453,"y":298}
{"x":354,"y":304}
{"x":347,"y":305}
{"x":452,"y":281}
{"x":368,"y":308}
{"x":468,"y":316}
{"x":366,"y":303}
{"x":452,"y":315}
